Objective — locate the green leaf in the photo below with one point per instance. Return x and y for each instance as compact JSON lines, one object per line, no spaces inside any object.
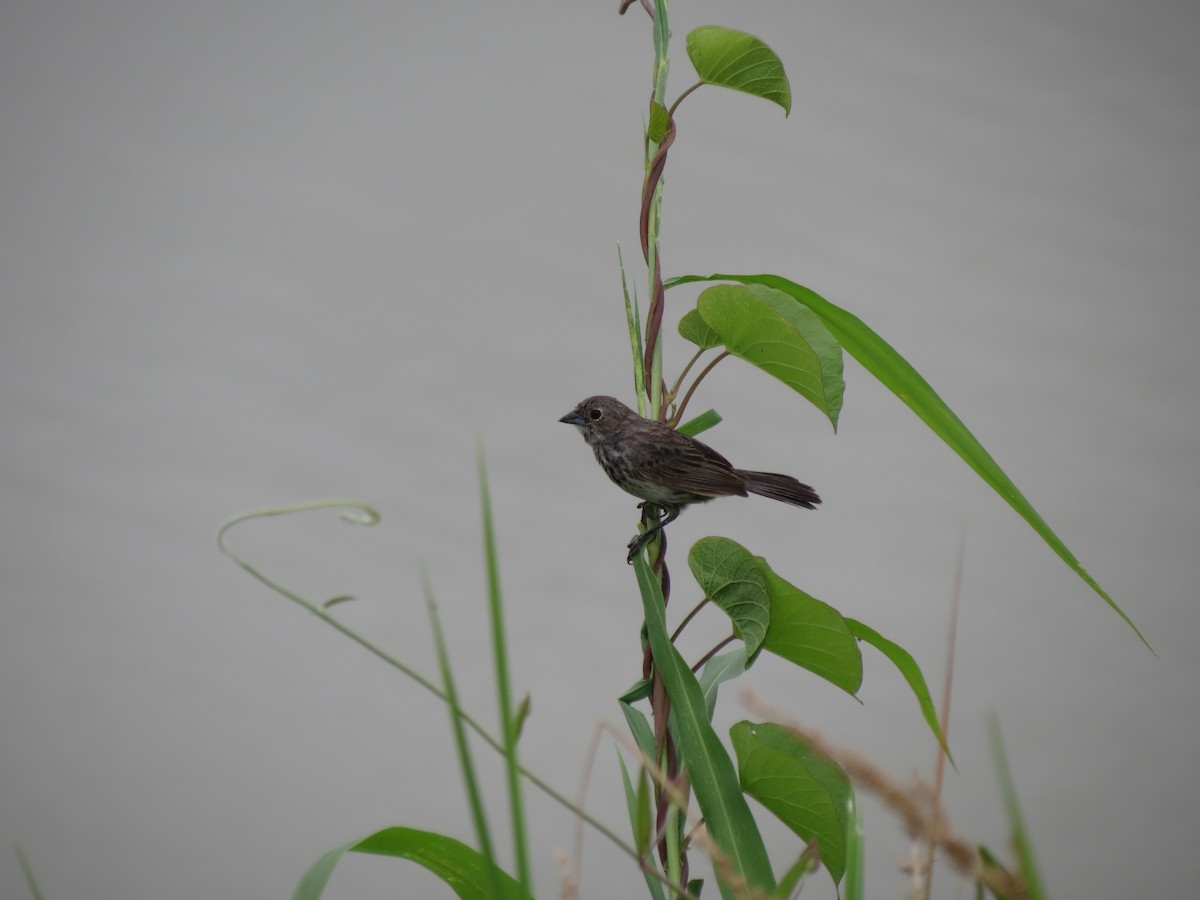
{"x":717,"y":671}
{"x":739,"y":61}
{"x":769,"y":329}
{"x":806,"y":863}
{"x":894,"y":372}
{"x":807,"y":792}
{"x":509,"y":716}
{"x":640,"y":820}
{"x":467,"y":873}
{"x":726,"y":813}
{"x":811,"y":634}
{"x":656,"y":128}
{"x":465,"y":763}
{"x":27,"y":870}
{"x":908,"y":667}
{"x":693,"y":328}
{"x":701,"y":423}
{"x":1021,"y":839}
{"x":732,"y":579}
{"x":639,"y":727}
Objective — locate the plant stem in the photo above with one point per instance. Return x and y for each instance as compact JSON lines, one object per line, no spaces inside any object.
{"x":713,"y":652}
{"x":686,"y":619}
{"x":692,"y":389}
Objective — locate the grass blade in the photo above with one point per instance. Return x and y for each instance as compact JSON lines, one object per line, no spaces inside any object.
{"x":470,"y":780}
{"x":27,"y":870}
{"x":508,"y":714}
{"x":1020,"y":834}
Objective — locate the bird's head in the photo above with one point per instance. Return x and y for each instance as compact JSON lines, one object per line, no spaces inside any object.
{"x":599,"y":418}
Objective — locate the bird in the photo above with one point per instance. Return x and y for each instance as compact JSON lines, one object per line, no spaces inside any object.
{"x":667,"y":469}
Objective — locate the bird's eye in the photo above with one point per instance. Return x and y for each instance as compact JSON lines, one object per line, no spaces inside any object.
{"x":595,"y":414}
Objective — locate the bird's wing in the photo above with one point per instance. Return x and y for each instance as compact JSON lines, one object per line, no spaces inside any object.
{"x":696,"y":467}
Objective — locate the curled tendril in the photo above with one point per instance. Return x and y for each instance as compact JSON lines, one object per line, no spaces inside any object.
{"x":354,"y":512}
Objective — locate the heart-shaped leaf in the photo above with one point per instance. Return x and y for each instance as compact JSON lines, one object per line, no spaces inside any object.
{"x":811,"y":634}
{"x":739,"y":61}
{"x":733,"y":580}
{"x":806,"y":791}
{"x":769,"y":329}
{"x":693,"y":328}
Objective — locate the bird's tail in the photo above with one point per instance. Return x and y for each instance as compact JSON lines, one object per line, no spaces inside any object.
{"x":780,"y":487}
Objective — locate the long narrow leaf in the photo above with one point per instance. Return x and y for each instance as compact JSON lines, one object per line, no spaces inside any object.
{"x":717,"y":671}
{"x":466,"y":764}
{"x":792,"y":881}
{"x":1020,"y":834}
{"x":27,"y":870}
{"x":508,"y":713}
{"x":895,"y":373}
{"x":726,"y":813}
{"x":467,"y":873}
{"x":908,"y":667}
{"x":639,"y":727}
{"x":640,"y":820}
{"x":634,"y":322}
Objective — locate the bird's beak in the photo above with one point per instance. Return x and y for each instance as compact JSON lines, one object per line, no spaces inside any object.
{"x":574,"y":418}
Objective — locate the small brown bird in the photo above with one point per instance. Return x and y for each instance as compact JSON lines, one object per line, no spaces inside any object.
{"x":667,"y":469}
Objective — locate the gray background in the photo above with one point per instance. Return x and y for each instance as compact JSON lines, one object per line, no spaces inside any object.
{"x":254,"y":253}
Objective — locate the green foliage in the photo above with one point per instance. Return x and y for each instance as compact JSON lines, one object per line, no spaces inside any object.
{"x":908,"y":667}
{"x":797,"y":337}
{"x":895,"y":373}
{"x":717,"y":671}
{"x":806,"y":791}
{"x":806,"y":864}
{"x":726,"y":813}
{"x":465,"y":762}
{"x":464,"y":870}
{"x":739,"y":61}
{"x":656,"y":127}
{"x":639,"y":726}
{"x":768,"y":329}
{"x":732,"y":579}
{"x":27,"y":872}
{"x":693,"y":328}
{"x":1030,"y":873}
{"x":510,"y":716}
{"x":701,"y":423}
{"x":811,"y":634}
{"x":641,"y":816}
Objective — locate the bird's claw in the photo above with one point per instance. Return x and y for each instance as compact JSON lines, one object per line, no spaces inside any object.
{"x":637,"y":543}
